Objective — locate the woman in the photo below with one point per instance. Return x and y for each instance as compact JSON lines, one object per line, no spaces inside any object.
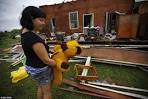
{"x":38,"y":64}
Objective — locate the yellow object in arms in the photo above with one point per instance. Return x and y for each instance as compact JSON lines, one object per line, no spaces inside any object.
{"x":19,"y":74}
{"x":62,"y":53}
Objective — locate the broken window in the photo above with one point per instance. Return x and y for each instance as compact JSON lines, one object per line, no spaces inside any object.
{"x":52,"y":25}
{"x":73,"y":20}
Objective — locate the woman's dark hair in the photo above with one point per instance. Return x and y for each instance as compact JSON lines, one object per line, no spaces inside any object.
{"x":28,"y":14}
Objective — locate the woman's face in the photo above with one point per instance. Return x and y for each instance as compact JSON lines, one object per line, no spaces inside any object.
{"x":38,"y":23}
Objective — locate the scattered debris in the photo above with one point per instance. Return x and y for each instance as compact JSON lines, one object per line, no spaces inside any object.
{"x":87,"y":63}
{"x":118,"y":55}
{"x":82,"y":70}
{"x":110,"y":36}
{"x":17,"y":36}
{"x":116,"y":91}
{"x":85,"y":70}
{"x":75,"y":36}
{"x":101,"y":88}
{"x":92,"y":75}
{"x":92,"y":33}
{"x":143,"y":67}
{"x":17,"y":49}
{"x":117,"y":86}
{"x":60,"y":36}
{"x":109,"y":94}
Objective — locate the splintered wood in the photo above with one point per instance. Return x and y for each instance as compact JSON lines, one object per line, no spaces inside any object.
{"x":92,"y":72}
{"x":86,"y":72}
{"x":106,"y":94}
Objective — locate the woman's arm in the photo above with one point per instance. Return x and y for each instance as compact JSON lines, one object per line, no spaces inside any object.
{"x":41,"y":52}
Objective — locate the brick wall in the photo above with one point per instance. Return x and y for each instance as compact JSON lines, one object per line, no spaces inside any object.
{"x":61,"y":12}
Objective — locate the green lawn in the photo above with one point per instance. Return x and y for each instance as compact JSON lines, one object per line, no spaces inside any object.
{"x":26,"y":89}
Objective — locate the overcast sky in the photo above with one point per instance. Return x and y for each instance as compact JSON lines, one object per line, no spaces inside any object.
{"x":10,"y":11}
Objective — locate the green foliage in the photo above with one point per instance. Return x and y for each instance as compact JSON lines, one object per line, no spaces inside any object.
{"x":15,"y":32}
{"x":7,"y":39}
{"x":11,"y":34}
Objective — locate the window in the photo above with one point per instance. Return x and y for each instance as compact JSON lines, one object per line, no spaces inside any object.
{"x":73,"y":20}
{"x":52,"y":25}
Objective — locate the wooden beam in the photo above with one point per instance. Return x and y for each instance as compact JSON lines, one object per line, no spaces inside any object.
{"x":88,"y":63}
{"x":92,"y":76}
{"x":84,"y":72}
{"x":8,"y":59}
{"x":75,"y":61}
{"x":112,"y":95}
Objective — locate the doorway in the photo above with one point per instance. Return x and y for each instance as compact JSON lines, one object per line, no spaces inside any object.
{"x":88,"y":20}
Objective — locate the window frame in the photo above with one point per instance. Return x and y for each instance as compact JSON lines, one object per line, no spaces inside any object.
{"x":70,"y":26}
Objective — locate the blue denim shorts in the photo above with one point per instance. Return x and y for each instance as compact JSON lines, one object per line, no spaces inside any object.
{"x":43,"y":77}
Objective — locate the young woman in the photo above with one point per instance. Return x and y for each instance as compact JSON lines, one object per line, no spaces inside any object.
{"x":38,"y":64}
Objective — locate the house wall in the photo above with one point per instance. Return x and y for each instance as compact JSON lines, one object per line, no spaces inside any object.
{"x":61,"y":12}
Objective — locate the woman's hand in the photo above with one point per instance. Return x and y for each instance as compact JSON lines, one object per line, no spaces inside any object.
{"x":52,"y":62}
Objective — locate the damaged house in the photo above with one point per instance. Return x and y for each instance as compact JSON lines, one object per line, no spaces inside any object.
{"x":112,"y":15}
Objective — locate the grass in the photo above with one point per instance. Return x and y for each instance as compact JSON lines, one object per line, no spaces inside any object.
{"x":26,"y":89}
{"x":128,"y":76}
{"x":15,"y":90}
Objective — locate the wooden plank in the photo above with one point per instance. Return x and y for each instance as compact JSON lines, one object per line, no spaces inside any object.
{"x":87,"y":78}
{"x":84,"y":72}
{"x":127,"y":26}
{"x":117,"y":86}
{"x":7,"y":59}
{"x":71,"y":61}
{"x":86,"y":93}
{"x":95,"y":90}
{"x":116,"y":91}
{"x":92,"y":76}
